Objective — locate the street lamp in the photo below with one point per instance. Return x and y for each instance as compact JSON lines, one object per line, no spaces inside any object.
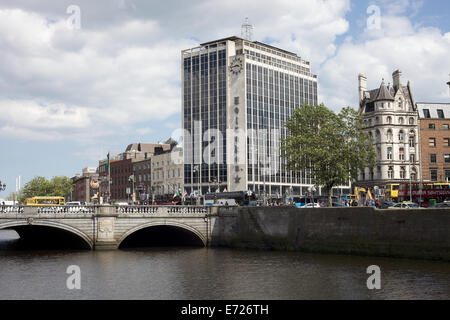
{"x":2,"y":186}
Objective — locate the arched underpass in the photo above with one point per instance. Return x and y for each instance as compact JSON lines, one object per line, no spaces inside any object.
{"x":45,"y":237}
{"x":162,"y":236}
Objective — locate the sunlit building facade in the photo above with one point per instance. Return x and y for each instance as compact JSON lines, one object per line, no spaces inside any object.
{"x":237,"y":95}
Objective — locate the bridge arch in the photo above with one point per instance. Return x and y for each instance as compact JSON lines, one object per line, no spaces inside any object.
{"x":51,"y":224}
{"x":184,"y":226}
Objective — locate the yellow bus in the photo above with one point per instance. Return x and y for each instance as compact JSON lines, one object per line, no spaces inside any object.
{"x":45,"y":201}
{"x":391,"y":191}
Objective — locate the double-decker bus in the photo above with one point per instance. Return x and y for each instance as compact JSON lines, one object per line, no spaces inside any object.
{"x":423,"y":194}
{"x":391,"y":191}
{"x":45,"y":201}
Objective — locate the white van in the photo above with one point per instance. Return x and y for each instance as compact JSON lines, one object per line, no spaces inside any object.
{"x":226,"y":202}
{"x":73,"y":203}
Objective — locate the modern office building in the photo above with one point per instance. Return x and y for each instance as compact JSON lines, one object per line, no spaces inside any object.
{"x":391,"y":118}
{"x":236,"y":96}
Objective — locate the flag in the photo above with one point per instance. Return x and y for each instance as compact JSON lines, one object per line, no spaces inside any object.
{"x":107,"y":162}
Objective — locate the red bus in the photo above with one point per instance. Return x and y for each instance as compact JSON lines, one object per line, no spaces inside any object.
{"x":423,"y":193}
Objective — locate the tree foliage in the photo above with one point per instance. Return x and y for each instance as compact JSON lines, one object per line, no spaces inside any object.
{"x":332,"y":145}
{"x":40,"y":186}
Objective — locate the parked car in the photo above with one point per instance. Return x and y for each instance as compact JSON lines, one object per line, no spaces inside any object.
{"x":337,"y":204}
{"x":121,"y":203}
{"x":386,"y":204}
{"x":405,"y":205}
{"x":311,"y":205}
{"x":442,"y":205}
{"x":73,"y":203}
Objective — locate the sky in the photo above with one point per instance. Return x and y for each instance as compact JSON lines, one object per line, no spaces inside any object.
{"x":79,"y":79}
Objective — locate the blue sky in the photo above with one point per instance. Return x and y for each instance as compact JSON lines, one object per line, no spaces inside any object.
{"x":68,"y":95}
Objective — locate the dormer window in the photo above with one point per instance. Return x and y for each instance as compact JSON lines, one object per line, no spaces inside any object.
{"x":400,"y":104}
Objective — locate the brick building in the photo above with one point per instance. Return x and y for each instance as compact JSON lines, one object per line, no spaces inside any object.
{"x":86,"y":186}
{"x":133,"y":163}
{"x":142,"y":176}
{"x":434,"y":119}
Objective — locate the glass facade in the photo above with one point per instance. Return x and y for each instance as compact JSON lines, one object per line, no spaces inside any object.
{"x":205,"y":101}
{"x":270,"y":85}
{"x":272,"y":96}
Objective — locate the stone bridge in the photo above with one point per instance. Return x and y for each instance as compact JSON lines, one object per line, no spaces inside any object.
{"x":106,"y":227}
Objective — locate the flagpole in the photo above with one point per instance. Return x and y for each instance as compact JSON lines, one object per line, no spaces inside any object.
{"x":109,"y":179}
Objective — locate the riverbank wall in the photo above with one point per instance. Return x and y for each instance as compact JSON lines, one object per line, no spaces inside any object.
{"x":415,"y":233}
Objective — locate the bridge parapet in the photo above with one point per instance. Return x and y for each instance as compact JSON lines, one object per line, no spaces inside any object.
{"x":89,"y":211}
{"x":164,"y":210}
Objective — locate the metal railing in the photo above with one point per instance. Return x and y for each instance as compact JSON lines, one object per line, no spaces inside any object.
{"x":92,"y":210}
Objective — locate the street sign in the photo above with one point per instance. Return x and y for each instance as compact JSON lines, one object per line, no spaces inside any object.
{"x":128,"y":191}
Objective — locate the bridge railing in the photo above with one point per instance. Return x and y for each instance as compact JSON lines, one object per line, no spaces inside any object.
{"x":145,"y":210}
{"x":92,"y":210}
{"x":11,"y":209}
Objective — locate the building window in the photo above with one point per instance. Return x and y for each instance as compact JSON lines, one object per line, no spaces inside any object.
{"x":401,"y":135}
{"x":412,"y":141}
{"x":402,"y":173}
{"x":400,"y":120}
{"x":426,"y":113}
{"x":390,"y":173}
{"x":447,"y":158}
{"x":447,"y":175}
{"x":433,"y":174}
{"x":432,"y":142}
{"x":431,"y":126}
{"x":412,"y":158}
{"x":401,"y":154}
{"x":236,"y":100}
{"x":446,"y":142}
{"x":389,"y":153}
{"x":433,"y":158}
{"x":445,"y":127}
{"x":411,"y":120}
{"x":440,"y":113}
{"x":413,"y":174}
{"x":389,"y":120}
{"x":389,"y":135}
{"x":400,"y":104}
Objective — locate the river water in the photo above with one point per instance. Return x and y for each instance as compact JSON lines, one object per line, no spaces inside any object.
{"x":212,"y":273}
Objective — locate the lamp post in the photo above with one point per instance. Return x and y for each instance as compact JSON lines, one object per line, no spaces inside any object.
{"x":131,"y":179}
{"x":197,"y":170}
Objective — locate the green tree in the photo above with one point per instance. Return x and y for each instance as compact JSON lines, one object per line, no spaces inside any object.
{"x":62,"y":186}
{"x":332,"y":145}
{"x":40,"y":186}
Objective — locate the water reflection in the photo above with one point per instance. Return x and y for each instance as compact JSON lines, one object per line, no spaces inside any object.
{"x":205,"y":273}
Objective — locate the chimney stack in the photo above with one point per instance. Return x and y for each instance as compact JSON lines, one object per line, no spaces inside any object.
{"x":362,"y":80}
{"x":396,"y":76}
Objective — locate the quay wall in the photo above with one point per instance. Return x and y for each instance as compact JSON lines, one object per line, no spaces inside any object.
{"x":415,"y":233}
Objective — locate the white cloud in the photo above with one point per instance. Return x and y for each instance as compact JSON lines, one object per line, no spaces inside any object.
{"x":420,"y":53}
{"x":123,"y":66}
